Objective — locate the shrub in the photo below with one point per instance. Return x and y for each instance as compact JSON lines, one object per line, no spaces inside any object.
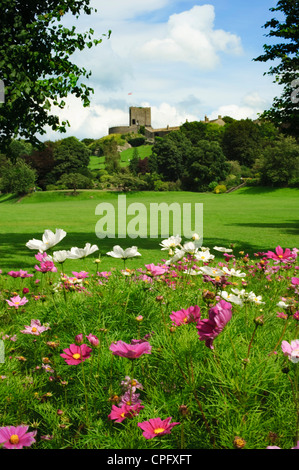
{"x":221,"y":188}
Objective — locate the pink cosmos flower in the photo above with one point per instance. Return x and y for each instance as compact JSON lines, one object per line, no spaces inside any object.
{"x":119,"y":413}
{"x":81,"y":274}
{"x":192,"y":314}
{"x":156,"y":427}
{"x":209,"y":328}
{"x":295,"y":281}
{"x":16,"y":301}
{"x":280,"y":255}
{"x":20,"y":273}
{"x":16,"y":437}
{"x":131,"y":351}
{"x":35,"y":328}
{"x":291,"y":350}
{"x":75,"y":354}
{"x":155,"y":270}
{"x":94,"y":340}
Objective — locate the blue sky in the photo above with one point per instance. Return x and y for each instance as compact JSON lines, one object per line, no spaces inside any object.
{"x":185,"y":59}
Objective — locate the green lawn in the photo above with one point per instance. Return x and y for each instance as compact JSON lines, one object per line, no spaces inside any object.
{"x":254,"y":219}
{"x":98,"y":163}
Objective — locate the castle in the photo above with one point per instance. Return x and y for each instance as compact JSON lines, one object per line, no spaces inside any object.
{"x":139,"y":116}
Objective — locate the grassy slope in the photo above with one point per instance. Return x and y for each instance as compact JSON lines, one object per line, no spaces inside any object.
{"x":252,"y":218}
{"x":98,"y":163}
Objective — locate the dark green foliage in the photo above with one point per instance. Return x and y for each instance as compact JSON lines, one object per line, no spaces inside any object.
{"x":35,"y":65}
{"x":19,"y":178}
{"x":242,"y":141}
{"x":137,"y":141}
{"x":169,"y":155}
{"x":285,"y":109}
{"x":205,"y":164}
{"x":70,"y":156}
{"x":75,"y":181}
{"x":279,"y":163}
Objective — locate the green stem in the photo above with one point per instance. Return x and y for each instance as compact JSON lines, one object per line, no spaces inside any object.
{"x":85,"y":393}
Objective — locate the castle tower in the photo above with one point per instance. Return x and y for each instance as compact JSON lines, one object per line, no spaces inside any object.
{"x":140,"y":116}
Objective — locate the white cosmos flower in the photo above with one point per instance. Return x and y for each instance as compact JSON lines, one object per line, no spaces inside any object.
{"x":221,"y":248}
{"x":282,"y":304}
{"x":231,"y":298}
{"x":213,"y":272}
{"x":118,"y":252}
{"x":49,"y":239}
{"x":179,"y":254}
{"x":233,"y":272}
{"x":60,"y":256}
{"x":203,"y":256}
{"x":257,"y":299}
{"x":170,"y":242}
{"x":239,"y":293}
{"x":77,"y":253}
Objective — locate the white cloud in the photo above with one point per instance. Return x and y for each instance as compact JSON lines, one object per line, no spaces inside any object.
{"x":191,"y":38}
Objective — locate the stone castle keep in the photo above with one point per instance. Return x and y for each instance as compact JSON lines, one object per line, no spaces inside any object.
{"x":142,"y":117}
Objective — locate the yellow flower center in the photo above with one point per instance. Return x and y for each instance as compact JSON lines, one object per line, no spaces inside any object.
{"x":217,"y":278}
{"x":17,"y":303}
{"x":34,"y":329}
{"x":280,"y":256}
{"x":122,"y":415}
{"x":14,"y":439}
{"x":159,"y":430}
{"x":76,"y":356}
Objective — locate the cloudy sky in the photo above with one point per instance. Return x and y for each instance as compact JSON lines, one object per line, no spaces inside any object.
{"x":183,"y":58}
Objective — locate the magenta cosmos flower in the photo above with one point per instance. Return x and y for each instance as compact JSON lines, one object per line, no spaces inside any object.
{"x":17,"y":301}
{"x":209,"y":328}
{"x":131,"y":351}
{"x":119,"y":413}
{"x":156,"y":427}
{"x":35,"y":328}
{"x":291,"y":350}
{"x":192,"y":314}
{"x":20,"y":273}
{"x":75,"y":354}
{"x":280,"y":255}
{"x":16,"y":437}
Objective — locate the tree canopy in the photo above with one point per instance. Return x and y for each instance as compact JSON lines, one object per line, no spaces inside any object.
{"x":285,"y":53}
{"x":35,"y":65}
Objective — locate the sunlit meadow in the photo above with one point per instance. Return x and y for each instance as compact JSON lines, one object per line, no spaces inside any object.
{"x":197,"y":351}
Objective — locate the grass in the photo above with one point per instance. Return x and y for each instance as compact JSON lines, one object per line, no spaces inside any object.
{"x":254,"y":219}
{"x":242,"y":393}
{"x":98,"y":163}
{"x":237,"y":394}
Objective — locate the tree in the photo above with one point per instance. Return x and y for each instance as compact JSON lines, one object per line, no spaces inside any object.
{"x":70,"y":156}
{"x":112,"y":155}
{"x":17,"y":178}
{"x":75,"y":181}
{"x":206,"y":163}
{"x":168,"y":155}
{"x":242,"y":141}
{"x":285,"y":109}
{"x":35,"y":65}
{"x":279,"y":163}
